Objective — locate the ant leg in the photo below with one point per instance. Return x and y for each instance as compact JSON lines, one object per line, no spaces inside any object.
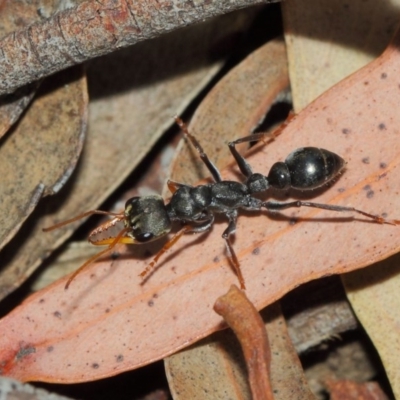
{"x":147,"y":271}
{"x":231,"y":253}
{"x":271,"y":206}
{"x":80,"y":216}
{"x":118,"y":239}
{"x":243,"y":165}
{"x":205,"y":226}
{"x":208,"y":163}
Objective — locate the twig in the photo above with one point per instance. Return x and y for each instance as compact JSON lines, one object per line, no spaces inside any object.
{"x":241,"y":315}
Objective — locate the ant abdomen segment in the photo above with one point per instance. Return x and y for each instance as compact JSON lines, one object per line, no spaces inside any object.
{"x":149,"y":218}
{"x":306,"y":168}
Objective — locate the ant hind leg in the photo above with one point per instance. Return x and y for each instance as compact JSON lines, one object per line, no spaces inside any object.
{"x":272,"y":206}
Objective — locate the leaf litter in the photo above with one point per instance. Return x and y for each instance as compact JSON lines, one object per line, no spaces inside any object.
{"x":173,"y":308}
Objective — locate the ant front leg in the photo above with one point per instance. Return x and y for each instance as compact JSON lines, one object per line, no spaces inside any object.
{"x":202,"y":227}
{"x":119,"y":216}
{"x":272,"y":206}
{"x":208,"y":163}
{"x":230,"y":230}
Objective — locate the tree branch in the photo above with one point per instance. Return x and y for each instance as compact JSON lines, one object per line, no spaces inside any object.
{"x":94,"y":28}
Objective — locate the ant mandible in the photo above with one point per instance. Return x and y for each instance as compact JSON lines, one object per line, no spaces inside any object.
{"x":149,"y":218}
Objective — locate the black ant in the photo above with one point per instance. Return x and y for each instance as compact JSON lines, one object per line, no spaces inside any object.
{"x":149,"y":218}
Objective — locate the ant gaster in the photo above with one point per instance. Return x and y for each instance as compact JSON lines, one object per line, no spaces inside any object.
{"x":149,"y":218}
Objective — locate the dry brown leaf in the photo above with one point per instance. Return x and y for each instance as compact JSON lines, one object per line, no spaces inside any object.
{"x":287,"y":376}
{"x":35,"y":159}
{"x":215,"y":368}
{"x":374,"y":295}
{"x":322,"y":63}
{"x":329,"y":41}
{"x":129,"y":110}
{"x":12,"y":106}
{"x":173,"y":308}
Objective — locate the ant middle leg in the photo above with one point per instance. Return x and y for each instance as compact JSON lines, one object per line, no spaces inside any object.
{"x":230,"y":230}
{"x":272,"y":206}
{"x":208,"y":163}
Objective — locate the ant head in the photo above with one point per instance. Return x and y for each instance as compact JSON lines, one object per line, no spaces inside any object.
{"x":147,"y":218}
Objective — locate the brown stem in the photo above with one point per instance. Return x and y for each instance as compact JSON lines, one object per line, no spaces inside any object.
{"x":247,"y":324}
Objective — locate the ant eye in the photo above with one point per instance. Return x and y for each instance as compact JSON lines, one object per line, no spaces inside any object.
{"x":144,"y":237}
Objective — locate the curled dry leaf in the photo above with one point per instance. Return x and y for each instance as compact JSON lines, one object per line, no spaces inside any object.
{"x":129,"y":110}
{"x":243,"y":318}
{"x":109,"y":321}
